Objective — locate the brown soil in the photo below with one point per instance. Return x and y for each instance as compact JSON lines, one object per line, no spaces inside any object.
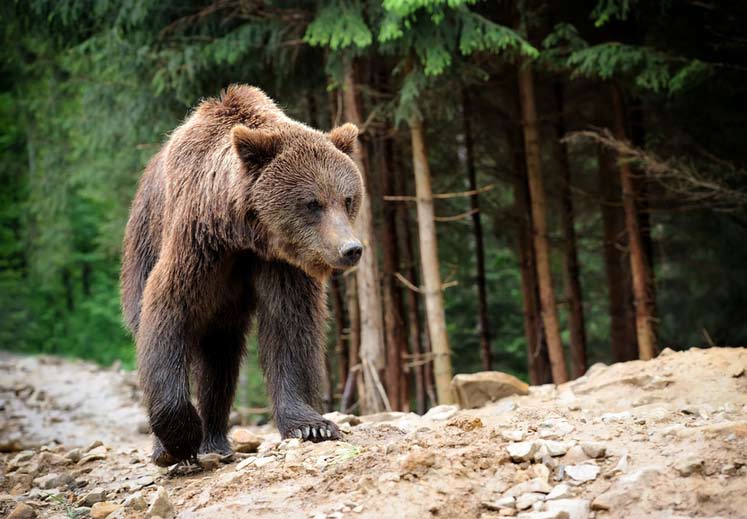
{"x":670,"y":436}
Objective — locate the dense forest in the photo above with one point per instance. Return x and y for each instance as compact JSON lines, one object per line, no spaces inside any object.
{"x":550,"y":184}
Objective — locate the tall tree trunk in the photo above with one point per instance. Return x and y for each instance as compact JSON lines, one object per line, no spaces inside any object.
{"x":482,"y":299}
{"x":396,"y":341}
{"x":412,"y":302}
{"x":538,"y":361}
{"x":539,"y":223}
{"x":434,"y":303}
{"x":639,"y":265}
{"x":570,"y":255}
{"x":623,"y":343}
{"x":371,"y":352}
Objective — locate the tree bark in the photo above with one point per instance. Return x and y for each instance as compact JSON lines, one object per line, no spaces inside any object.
{"x":434,"y":304}
{"x":412,"y":301}
{"x":371,"y":351}
{"x":538,"y":361}
{"x":570,"y":255}
{"x":623,"y":342}
{"x":639,"y":264}
{"x":539,"y":223}
{"x":394,"y":324}
{"x":482,"y":298}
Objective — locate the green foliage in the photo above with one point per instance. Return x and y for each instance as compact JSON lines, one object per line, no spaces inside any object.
{"x":339,"y":25}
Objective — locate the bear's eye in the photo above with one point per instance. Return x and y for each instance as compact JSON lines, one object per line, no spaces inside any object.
{"x":349,"y":204}
{"x":314,"y":206}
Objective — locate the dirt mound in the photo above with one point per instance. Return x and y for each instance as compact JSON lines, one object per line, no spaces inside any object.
{"x":665,"y":438}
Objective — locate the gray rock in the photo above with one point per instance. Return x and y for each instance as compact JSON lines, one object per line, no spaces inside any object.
{"x":594,"y":449}
{"x":525,"y":501}
{"x":161,"y":505}
{"x":560,"y":491}
{"x":521,"y":451}
{"x":557,"y":448}
{"x":94,"y":496}
{"x":583,"y":472}
{"x":689,"y":465}
{"x":575,"y":508}
{"x":135,"y":502}
{"x":53,"y":480}
{"x":477,"y":389}
{"x":536,"y":485}
{"x":497,"y":504}
{"x":560,"y":514}
{"x":512,"y":436}
{"x":74,"y":455}
{"x":441,"y":412}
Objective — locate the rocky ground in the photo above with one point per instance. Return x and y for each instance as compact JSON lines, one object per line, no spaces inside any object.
{"x":665,"y":438}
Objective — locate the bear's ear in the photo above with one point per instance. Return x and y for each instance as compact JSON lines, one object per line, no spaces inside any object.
{"x":344,"y":137}
{"x":255,"y":147}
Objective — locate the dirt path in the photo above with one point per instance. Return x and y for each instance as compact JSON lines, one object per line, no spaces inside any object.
{"x":665,"y":439}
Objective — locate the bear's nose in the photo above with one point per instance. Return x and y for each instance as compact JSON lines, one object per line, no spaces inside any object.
{"x":351,"y":252}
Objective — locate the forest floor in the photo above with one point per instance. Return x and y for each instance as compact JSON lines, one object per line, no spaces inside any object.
{"x":665,"y":438}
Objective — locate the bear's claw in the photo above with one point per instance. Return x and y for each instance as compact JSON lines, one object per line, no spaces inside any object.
{"x":314,"y":433}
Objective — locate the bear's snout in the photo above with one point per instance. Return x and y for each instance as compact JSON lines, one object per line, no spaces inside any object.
{"x":350,"y":253}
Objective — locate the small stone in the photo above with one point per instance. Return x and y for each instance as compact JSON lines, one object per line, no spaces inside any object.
{"x":144,"y":481}
{"x":560,"y":514}
{"x":261,"y":462}
{"x":103,"y":509}
{"x":560,"y":491}
{"x":583,"y":472}
{"x":557,"y":448}
{"x":289,"y":444}
{"x":417,"y":461}
{"x":50,"y":481}
{"x":575,"y":455}
{"x":441,"y":412}
{"x":555,"y":428}
{"x":512,"y":436}
{"x":575,"y":508}
{"x":93,"y":445}
{"x":91,"y":498}
{"x":161,"y":505}
{"x":729,"y":469}
{"x":210,"y":461}
{"x":525,"y":501}
{"x":97,"y":453}
{"x":521,"y":451}
{"x":594,"y":449}
{"x":617,"y":417}
{"x":536,"y":485}
{"x":622,"y":464}
{"x":143,"y":427}
{"x":496,"y":505}
{"x":84,"y":511}
{"x":688,"y":466}
{"x":135,"y":502}
{"x":477,"y":389}
{"x":245,"y":440}
{"x":74,"y":455}
{"x":20,"y":459}
{"x":22,"y":511}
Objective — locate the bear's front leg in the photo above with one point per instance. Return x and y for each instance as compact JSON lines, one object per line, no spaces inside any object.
{"x":292,"y":316}
{"x":164,"y":340}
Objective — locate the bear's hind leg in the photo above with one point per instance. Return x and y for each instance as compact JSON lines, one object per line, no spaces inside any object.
{"x":218,"y":372}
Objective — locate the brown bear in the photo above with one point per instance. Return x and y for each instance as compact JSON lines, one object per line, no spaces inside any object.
{"x":243,"y":211}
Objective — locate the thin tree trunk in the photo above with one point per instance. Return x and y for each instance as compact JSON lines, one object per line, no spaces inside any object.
{"x":570,"y":255}
{"x":538,"y":361}
{"x":372,"y":352}
{"x":434,"y":303}
{"x":412,"y":302}
{"x":354,"y":341}
{"x":639,"y":266}
{"x":623,"y":344}
{"x":394,"y":325}
{"x":539,"y":223}
{"x":482,"y":299}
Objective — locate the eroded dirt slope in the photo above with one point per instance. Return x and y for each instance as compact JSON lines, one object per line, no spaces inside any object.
{"x":665,"y":438}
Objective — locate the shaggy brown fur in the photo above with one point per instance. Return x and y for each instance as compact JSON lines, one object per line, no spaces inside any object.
{"x":242,"y":211}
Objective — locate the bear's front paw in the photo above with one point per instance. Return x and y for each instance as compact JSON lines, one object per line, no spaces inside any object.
{"x":179,"y":435}
{"x":315,"y":430}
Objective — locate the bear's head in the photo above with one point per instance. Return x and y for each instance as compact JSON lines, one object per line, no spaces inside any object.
{"x":305,"y":192}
